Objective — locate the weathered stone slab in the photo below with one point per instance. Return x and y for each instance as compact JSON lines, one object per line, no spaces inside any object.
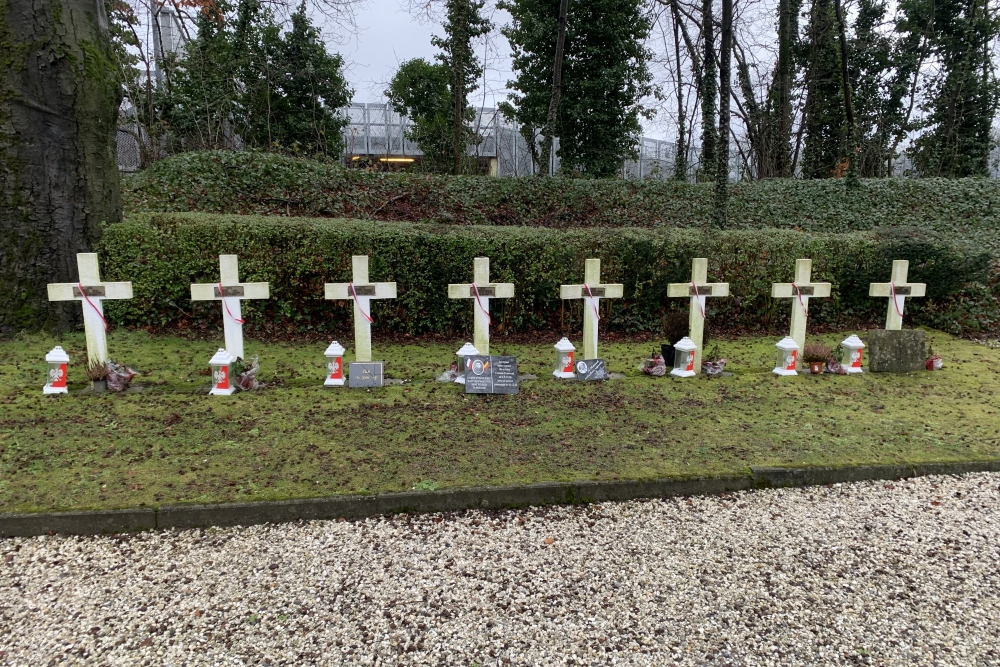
{"x":902,"y":351}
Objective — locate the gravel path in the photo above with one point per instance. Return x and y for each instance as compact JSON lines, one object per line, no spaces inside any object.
{"x":874,"y":573}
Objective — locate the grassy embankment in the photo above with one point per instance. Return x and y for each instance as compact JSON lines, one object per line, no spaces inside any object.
{"x":173,"y":443}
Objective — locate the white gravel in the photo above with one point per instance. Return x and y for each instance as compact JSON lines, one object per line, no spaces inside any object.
{"x":874,"y":573}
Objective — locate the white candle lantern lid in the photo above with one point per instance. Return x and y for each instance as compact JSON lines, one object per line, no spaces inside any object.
{"x":221,"y":358}
{"x":853,"y":341}
{"x":787,"y":343}
{"x":564,"y":345}
{"x":685,"y":344}
{"x":57,"y":355}
{"x":467,"y":350}
{"x":335,"y":350}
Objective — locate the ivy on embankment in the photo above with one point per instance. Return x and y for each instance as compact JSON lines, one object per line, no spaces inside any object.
{"x":163,"y":253}
{"x":260,"y":183}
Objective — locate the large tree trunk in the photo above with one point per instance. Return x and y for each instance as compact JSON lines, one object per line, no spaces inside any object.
{"x":548,"y":133}
{"x":783,"y":137}
{"x":59,"y":180}
{"x":722,"y":141}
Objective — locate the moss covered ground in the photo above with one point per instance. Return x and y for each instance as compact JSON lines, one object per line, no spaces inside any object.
{"x":295,"y":439}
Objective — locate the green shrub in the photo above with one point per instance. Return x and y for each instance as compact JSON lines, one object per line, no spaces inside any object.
{"x":258,"y":183}
{"x":163,"y":253}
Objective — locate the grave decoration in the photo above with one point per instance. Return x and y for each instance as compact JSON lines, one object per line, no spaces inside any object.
{"x":591,"y":292}
{"x":362,"y":292}
{"x":788,"y":356}
{"x":222,"y":371}
{"x":564,"y":359}
{"x":654,"y":366}
{"x":698,"y":290}
{"x":852,"y":347}
{"x":675,"y":326}
{"x":490,"y":375}
{"x":57,"y":361}
{"x":119,"y":376}
{"x":684,"y":358}
{"x":481,"y":290}
{"x":800,"y":291}
{"x":334,"y":365}
{"x":816,"y":355}
{"x":230,"y":291}
{"x":591,"y":370}
{"x":934,"y":361}
{"x":91,"y":291}
{"x":456,"y":373}
{"x":713,"y":364}
{"x":897,"y":289}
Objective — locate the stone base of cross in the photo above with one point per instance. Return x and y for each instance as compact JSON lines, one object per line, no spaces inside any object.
{"x":361,"y":292}
{"x":230,"y":291}
{"x":91,"y":291}
{"x":897,"y":289}
{"x":481,"y":290}
{"x":591,"y":291}
{"x":698,"y":290}
{"x":800,"y":291}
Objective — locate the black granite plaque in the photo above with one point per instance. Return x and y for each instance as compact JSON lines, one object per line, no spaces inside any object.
{"x":491,"y":375}
{"x":366,"y":374}
{"x":591,"y":369}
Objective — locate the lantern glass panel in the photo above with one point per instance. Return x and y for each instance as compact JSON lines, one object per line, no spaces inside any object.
{"x":682,"y":358}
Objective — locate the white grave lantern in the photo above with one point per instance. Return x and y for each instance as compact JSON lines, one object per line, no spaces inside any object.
{"x":564,"y":359}
{"x":684,"y":358}
{"x":468,"y":350}
{"x":57,"y":359}
{"x":222,"y":370}
{"x":788,"y":357}
{"x":852,"y":353}
{"x":334,"y":365}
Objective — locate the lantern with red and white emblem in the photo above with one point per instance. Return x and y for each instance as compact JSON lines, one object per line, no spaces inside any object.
{"x":466,"y":351}
{"x":684,"y":350}
{"x":852,"y":353}
{"x":788,"y":357}
{"x":57,"y":360}
{"x":222,"y":370}
{"x":334,"y":365}
{"x":564,"y":359}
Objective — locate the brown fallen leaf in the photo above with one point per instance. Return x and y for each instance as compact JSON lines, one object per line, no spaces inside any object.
{"x":550,"y":540}
{"x":148,"y":641}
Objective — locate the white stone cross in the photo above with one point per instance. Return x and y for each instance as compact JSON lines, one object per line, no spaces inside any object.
{"x":362,"y":292}
{"x":591,"y":291}
{"x":698,"y":289}
{"x":481,"y":290}
{"x":799,"y":292}
{"x":897,"y":289}
{"x":91,"y":291}
{"x":230,"y":291}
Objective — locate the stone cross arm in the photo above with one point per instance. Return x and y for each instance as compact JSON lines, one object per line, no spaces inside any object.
{"x":373,"y":290}
{"x":787,"y":290}
{"x":465,"y":291}
{"x":211,"y":292}
{"x":71,"y":291}
{"x":707,"y":289}
{"x":907,"y":289}
{"x":614,"y":291}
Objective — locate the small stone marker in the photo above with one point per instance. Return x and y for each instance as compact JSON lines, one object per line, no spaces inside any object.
{"x":230,"y":291}
{"x":366,"y":374}
{"x":588,"y":370}
{"x":91,"y":291}
{"x":362,"y":292}
{"x":490,"y":375}
{"x":481,"y":290}
{"x":897,"y":289}
{"x":800,"y":291}
{"x":591,"y":291}
{"x":698,"y":290}
{"x":896,"y":351}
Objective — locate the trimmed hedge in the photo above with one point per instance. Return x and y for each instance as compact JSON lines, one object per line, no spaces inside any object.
{"x":163,"y":253}
{"x":260,"y":183}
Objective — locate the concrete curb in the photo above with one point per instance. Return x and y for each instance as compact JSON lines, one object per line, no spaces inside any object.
{"x":453,"y":500}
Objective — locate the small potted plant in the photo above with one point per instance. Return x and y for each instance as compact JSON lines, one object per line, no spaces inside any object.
{"x":816,"y":355}
{"x":712,"y":364}
{"x":934,"y":361}
{"x":98,"y":376}
{"x":675,"y":326}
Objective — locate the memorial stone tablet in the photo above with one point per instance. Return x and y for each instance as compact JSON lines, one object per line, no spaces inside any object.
{"x":491,"y":375}
{"x":591,"y":369}
{"x":366,"y":374}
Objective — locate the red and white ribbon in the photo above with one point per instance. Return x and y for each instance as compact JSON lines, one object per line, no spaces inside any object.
{"x":594,"y":303}
{"x":697,"y":298}
{"x":892,"y":286}
{"x":96,"y":309}
{"x":489,"y":320}
{"x":361,"y":310}
{"x":799,"y":294}
{"x":226,"y":306}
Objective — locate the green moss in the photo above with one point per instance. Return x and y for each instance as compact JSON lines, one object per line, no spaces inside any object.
{"x":173,"y":443}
